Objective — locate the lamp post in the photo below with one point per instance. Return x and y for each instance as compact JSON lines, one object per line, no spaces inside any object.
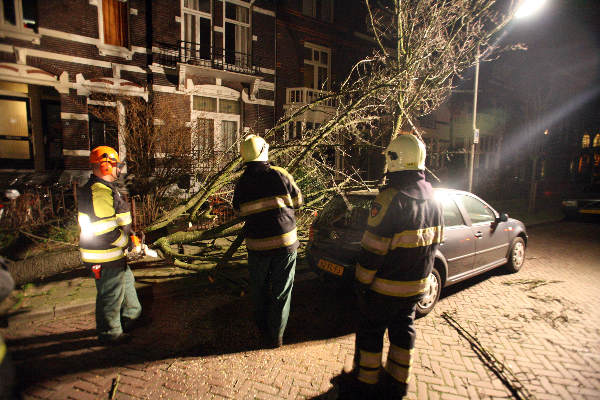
{"x":475,"y":131}
{"x":525,"y":9}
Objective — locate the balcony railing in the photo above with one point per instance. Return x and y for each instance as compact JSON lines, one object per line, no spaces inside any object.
{"x":303,"y":95}
{"x":206,"y":56}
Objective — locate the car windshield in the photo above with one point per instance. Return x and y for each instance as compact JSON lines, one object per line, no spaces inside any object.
{"x":350,"y":211}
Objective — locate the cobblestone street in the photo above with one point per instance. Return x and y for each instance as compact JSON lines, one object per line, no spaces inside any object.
{"x":542,"y":323}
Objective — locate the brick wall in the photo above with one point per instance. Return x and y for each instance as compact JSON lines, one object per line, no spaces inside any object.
{"x":178,"y":104}
{"x":70,"y":16}
{"x":258,"y":117}
{"x":75,"y":132}
{"x":164,"y":26}
{"x":264,"y":48}
{"x":294,"y":29}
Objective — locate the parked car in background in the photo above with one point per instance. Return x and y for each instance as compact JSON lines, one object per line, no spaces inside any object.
{"x":476,"y":239}
{"x":585,"y":205}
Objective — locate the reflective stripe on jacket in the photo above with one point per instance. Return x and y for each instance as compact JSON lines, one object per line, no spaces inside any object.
{"x":403,"y":232}
{"x":2,"y":350}
{"x":266,"y":197}
{"x":104,"y":220}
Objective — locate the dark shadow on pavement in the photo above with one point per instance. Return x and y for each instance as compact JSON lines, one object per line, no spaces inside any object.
{"x":60,"y":337}
{"x":194,"y":321}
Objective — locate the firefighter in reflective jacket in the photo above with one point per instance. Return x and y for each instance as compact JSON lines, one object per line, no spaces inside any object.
{"x":404,"y":229}
{"x":265,"y":197}
{"x":105,"y":223}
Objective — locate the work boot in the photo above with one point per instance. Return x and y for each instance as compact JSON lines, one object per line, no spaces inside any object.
{"x":123,"y":338}
{"x":130,"y":325}
{"x":351,"y":388}
{"x":391,"y":389}
{"x":276,"y":343}
{"x":268,"y":342}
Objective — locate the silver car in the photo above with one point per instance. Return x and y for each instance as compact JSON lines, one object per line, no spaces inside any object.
{"x":476,"y":239}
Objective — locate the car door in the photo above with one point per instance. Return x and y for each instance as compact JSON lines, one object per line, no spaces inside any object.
{"x":491,"y":243}
{"x":458,"y":244}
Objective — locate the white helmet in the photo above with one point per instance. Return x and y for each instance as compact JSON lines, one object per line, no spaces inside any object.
{"x":254,"y":148}
{"x":405,"y":153}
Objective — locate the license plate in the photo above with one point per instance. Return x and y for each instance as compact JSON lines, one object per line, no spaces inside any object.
{"x":589,"y":211}
{"x":331,"y":267}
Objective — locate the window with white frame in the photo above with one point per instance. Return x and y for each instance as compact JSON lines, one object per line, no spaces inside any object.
{"x":19,"y":15}
{"x":237,"y":41}
{"x":320,"y":9}
{"x":196,"y":30}
{"x":218,"y":123}
{"x":317,"y":72}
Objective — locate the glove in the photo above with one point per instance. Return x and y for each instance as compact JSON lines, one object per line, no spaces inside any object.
{"x":135,"y":245}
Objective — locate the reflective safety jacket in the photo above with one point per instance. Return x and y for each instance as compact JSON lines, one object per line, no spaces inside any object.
{"x":266,"y":197}
{"x":105,"y":222}
{"x":404,"y":229}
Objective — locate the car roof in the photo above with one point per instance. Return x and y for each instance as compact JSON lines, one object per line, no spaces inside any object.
{"x":375,"y":192}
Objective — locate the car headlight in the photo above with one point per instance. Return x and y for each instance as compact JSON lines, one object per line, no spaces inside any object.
{"x":569,"y":203}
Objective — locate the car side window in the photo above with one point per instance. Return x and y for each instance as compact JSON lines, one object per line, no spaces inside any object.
{"x":452,"y":215}
{"x":477,"y":210}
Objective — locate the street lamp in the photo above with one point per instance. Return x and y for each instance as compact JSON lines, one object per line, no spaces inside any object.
{"x":525,"y":9}
{"x":529,"y":7}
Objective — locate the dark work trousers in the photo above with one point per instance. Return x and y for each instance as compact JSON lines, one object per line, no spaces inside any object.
{"x":117,"y":303}
{"x":376,"y":314}
{"x":271,"y":282}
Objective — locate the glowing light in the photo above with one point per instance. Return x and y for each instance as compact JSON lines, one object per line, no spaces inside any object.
{"x":529,"y":7}
{"x":546,"y":132}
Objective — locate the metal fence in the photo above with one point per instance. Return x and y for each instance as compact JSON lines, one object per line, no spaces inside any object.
{"x":36,"y":206}
{"x":206,"y":56}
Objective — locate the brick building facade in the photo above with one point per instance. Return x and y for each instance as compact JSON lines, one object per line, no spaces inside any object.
{"x":214,"y":60}
{"x":317,"y":44}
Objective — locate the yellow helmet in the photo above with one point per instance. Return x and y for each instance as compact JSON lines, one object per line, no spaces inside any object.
{"x":405,"y":153}
{"x":254,"y":148}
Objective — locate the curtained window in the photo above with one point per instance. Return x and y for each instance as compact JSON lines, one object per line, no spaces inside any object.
{"x":206,"y":136}
{"x":230,"y":135}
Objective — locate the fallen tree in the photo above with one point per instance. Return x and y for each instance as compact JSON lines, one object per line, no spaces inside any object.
{"x":422,"y":47}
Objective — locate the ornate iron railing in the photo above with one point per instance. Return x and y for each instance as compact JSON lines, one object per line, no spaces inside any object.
{"x":206,"y":56}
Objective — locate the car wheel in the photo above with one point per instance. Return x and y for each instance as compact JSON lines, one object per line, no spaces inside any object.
{"x":426,"y":304}
{"x":516,"y":255}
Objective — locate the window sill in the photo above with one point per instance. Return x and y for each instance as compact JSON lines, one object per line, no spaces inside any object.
{"x":27,"y":36}
{"x":116,"y":51}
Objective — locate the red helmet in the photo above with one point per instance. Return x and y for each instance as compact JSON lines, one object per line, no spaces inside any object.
{"x":106,"y":158}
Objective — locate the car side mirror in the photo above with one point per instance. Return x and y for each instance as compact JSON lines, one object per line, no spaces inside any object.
{"x":502,"y":218}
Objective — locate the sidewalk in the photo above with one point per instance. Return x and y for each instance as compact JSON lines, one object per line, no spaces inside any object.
{"x":75,"y":291}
